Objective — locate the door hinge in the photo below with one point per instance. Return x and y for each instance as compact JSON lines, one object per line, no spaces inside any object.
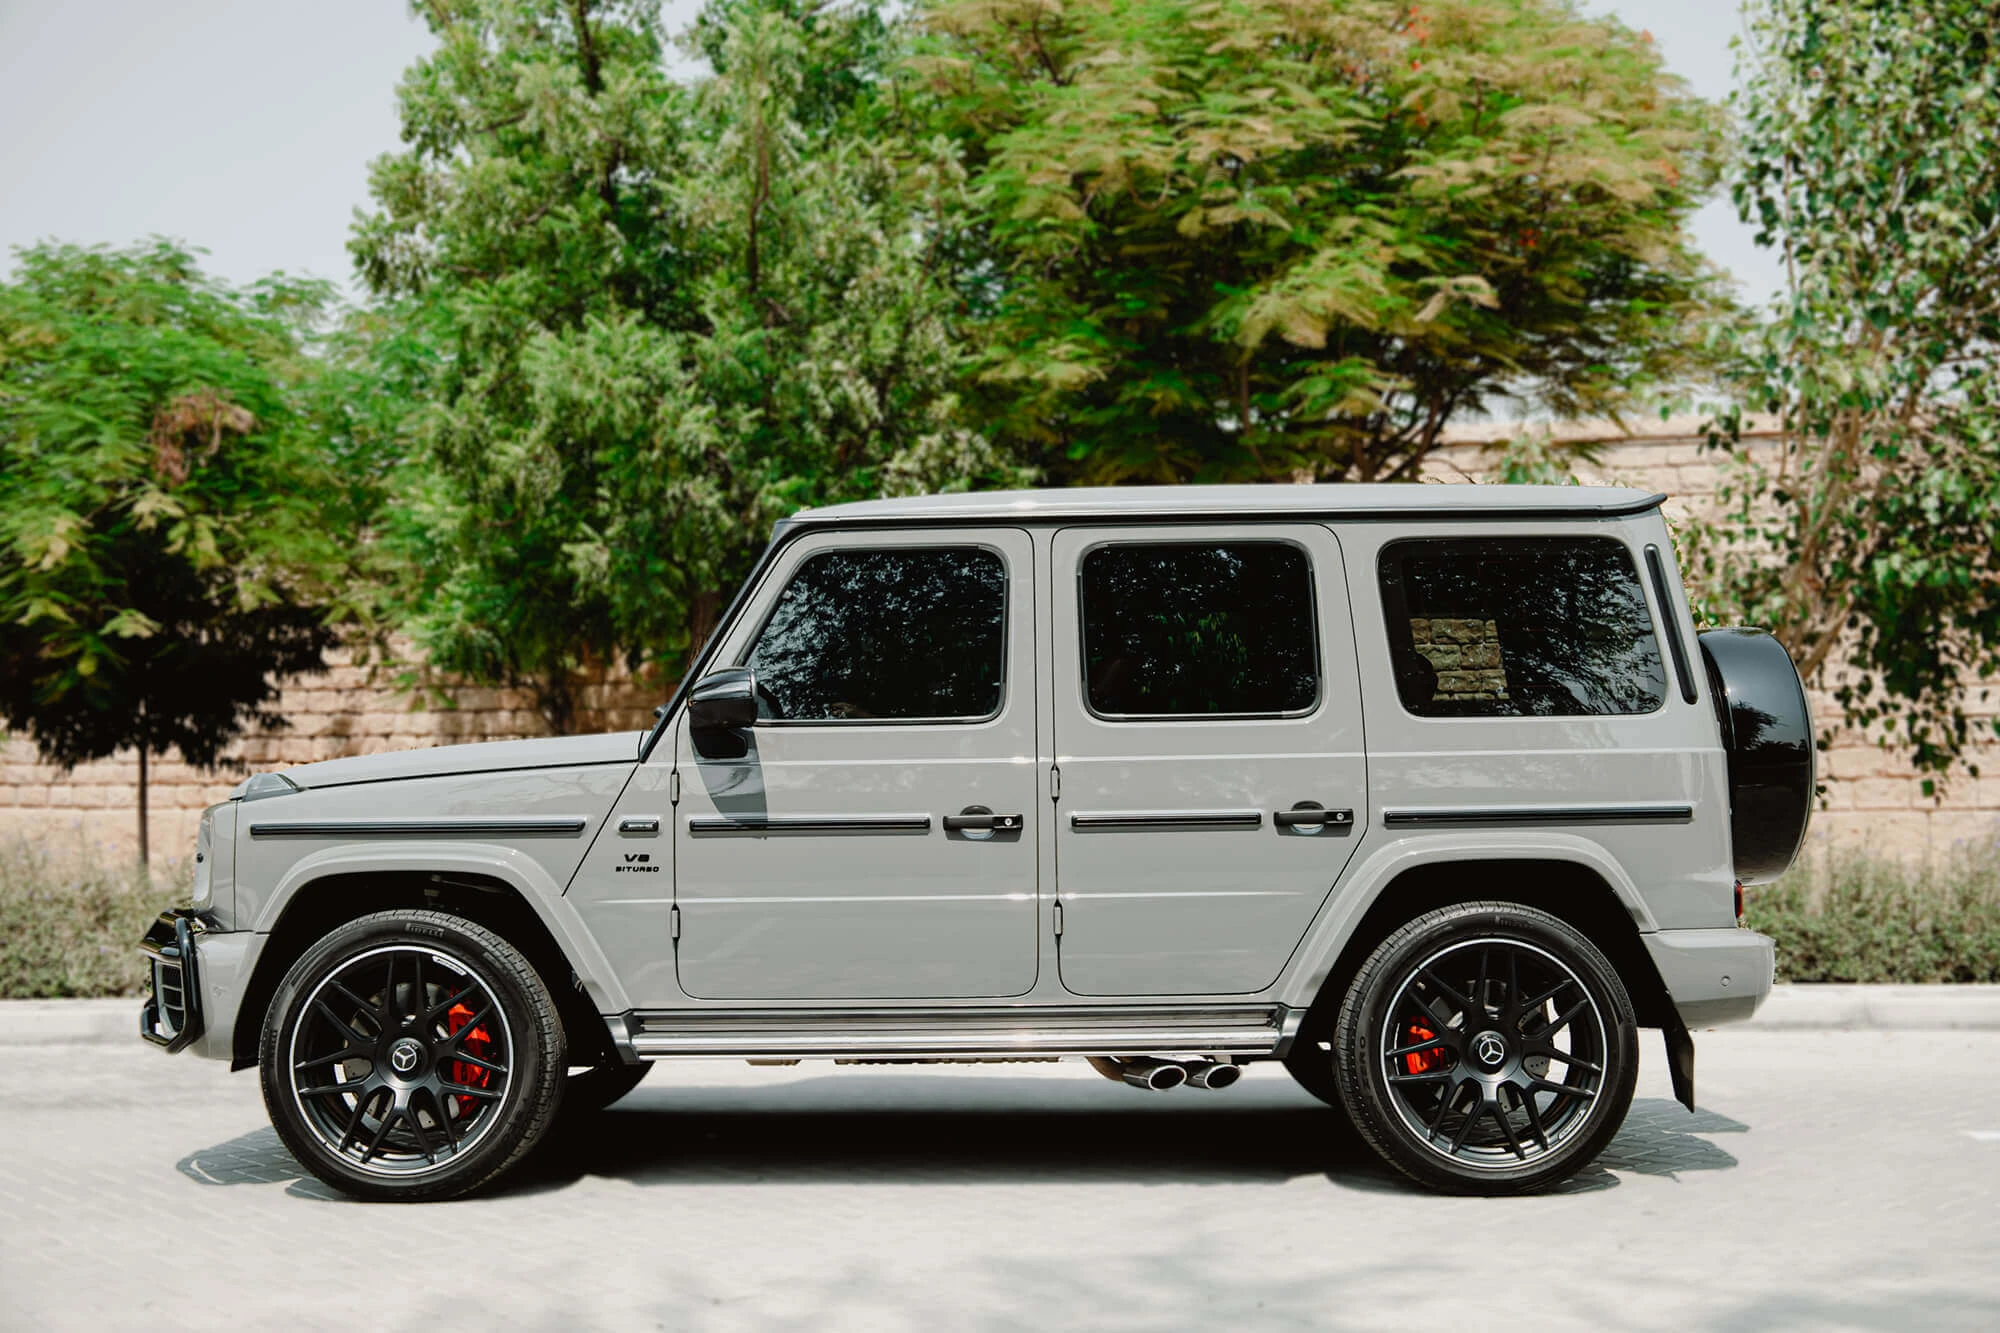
{"x":674,"y":787}
{"x":1055,"y":783}
{"x":1058,"y":920}
{"x":674,"y":917}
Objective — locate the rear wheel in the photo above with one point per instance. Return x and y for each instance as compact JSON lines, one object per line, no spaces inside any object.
{"x":411,"y":1055}
{"x":1487,"y":1048}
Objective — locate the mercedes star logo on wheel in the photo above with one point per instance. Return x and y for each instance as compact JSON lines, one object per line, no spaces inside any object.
{"x":404,"y":1055}
{"x":1489,"y":1048}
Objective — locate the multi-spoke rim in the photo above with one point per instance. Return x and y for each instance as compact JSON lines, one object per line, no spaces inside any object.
{"x":399,"y":1060}
{"x":1494,"y":1052}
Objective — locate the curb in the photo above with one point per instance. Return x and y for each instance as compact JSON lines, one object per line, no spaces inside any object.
{"x":1828,"y":1006}
{"x":70,"y":1022}
{"x":1790,"y":1009}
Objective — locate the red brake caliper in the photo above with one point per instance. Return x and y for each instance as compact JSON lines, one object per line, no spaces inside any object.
{"x":477,"y":1043}
{"x":1418,"y":1062}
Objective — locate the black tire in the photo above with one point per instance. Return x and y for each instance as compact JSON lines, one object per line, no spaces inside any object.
{"x":411,"y":1055}
{"x":588,"y":1091}
{"x":1450,"y":1033}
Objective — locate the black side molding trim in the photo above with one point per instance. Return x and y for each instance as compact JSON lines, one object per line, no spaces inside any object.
{"x":709,"y":826}
{"x":1130,"y":821}
{"x":424,"y":828}
{"x":1535,"y":816}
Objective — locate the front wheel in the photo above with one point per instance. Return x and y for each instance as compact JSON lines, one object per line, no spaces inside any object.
{"x":1487,"y":1048}
{"x":411,"y":1055}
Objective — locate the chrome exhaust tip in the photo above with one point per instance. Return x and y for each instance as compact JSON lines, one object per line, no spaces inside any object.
{"x":1214,"y":1077}
{"x":1153,"y":1075}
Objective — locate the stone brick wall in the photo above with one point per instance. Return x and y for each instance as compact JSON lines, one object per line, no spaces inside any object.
{"x":1873,"y":797}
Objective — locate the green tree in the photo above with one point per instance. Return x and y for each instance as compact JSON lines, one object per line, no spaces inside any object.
{"x":1866,"y":537}
{"x":665,"y":316}
{"x":165,"y":514}
{"x":1257,"y":239}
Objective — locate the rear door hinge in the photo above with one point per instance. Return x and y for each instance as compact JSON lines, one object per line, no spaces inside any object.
{"x":674,"y":916}
{"x":674,"y":787}
{"x":1055,"y":783}
{"x":1058,"y":920}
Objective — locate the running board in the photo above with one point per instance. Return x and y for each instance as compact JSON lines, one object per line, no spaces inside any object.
{"x":912,"y":1033}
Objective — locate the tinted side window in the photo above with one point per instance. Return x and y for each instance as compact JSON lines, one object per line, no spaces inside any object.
{"x":1520,"y":627}
{"x":896,"y":634}
{"x":1188,"y":630}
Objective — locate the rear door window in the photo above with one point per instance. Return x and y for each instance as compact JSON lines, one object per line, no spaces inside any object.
{"x":1520,"y":627}
{"x":1198,"y":629}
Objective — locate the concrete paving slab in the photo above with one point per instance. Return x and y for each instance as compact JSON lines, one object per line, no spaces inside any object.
{"x":1830,"y":1180}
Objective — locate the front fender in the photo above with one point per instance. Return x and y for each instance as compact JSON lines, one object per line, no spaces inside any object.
{"x":509,"y":865}
{"x":1366,"y":883}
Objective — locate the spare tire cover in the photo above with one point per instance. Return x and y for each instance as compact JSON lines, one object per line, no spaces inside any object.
{"x":1767,"y":730}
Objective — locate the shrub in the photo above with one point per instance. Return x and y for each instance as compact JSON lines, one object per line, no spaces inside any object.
{"x":70,"y":926}
{"x":1856,"y":917}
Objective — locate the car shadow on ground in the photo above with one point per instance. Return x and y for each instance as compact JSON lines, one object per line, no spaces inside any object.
{"x":915,"y":1129}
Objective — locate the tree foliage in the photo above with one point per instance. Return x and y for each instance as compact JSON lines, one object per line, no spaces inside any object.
{"x":168,"y":512}
{"x":665,"y":315}
{"x":1264,"y":239}
{"x":1865,"y":538}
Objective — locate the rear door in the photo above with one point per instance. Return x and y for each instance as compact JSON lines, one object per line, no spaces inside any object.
{"x":898,"y":697}
{"x":1209,"y":752}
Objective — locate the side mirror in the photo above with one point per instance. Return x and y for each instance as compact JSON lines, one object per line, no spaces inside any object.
{"x":721,"y":706}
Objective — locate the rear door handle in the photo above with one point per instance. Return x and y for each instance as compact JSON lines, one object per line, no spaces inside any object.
{"x":1310,"y":814}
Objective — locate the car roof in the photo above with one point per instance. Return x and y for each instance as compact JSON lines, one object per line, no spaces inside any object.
{"x":1190,"y":503}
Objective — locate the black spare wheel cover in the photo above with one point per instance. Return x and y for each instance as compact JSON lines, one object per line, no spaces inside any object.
{"x":1767,"y":730}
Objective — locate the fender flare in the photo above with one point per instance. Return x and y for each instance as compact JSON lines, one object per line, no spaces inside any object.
{"x":510,"y":866}
{"x":1363,"y":886}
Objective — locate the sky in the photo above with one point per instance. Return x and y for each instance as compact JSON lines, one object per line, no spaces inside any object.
{"x":246,"y":127}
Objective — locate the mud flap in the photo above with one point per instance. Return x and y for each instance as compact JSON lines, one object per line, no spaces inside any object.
{"x":1680,"y":1059}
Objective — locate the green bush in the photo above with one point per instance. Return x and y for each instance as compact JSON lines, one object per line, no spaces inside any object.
{"x":1855,"y":917}
{"x":70,"y":926}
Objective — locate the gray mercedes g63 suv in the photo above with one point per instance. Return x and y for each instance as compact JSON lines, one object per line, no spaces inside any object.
{"x":1432,"y":793}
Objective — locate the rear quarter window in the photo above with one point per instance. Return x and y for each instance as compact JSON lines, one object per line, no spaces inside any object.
{"x":1520,"y":627}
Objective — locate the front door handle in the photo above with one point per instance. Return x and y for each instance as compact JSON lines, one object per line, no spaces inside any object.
{"x":1311,"y":815}
{"x":978,"y":819}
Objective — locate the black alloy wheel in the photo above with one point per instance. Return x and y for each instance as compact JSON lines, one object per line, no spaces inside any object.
{"x":1487,"y":1048}
{"x":411,"y":1055}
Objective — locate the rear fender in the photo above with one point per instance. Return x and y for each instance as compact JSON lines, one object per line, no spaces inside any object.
{"x":1335,"y":927}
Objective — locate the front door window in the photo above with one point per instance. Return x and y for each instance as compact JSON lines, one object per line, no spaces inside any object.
{"x":896,"y":635}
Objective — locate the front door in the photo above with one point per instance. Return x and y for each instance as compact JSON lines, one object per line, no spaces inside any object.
{"x":851,"y":853}
{"x":1209,"y":746}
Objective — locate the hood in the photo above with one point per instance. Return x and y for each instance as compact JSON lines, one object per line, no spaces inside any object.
{"x":618,"y":747}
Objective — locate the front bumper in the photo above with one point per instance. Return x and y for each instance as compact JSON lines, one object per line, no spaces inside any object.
{"x":198,"y":975}
{"x":172,"y":1015}
{"x":1714,"y":976}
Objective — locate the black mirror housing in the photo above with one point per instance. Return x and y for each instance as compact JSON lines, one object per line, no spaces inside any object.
{"x":721,"y":706}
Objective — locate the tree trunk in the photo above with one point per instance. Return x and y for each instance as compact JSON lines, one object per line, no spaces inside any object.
{"x":145,"y":844}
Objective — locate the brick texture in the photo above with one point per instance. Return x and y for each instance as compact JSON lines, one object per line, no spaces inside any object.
{"x":1873,"y":798}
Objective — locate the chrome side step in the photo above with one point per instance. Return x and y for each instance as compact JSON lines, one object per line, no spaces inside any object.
{"x":1007,"y":1030}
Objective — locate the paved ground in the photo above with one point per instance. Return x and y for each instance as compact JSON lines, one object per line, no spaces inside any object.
{"x":1832,"y":1180}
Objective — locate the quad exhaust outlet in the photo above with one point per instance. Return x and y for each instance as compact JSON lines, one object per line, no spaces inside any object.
{"x":1155,"y":1075}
